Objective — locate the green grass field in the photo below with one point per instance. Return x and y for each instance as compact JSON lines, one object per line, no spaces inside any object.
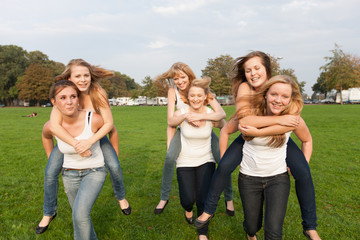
{"x":335,"y":167}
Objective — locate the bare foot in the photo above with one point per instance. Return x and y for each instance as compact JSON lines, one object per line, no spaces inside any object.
{"x":124,"y":204}
{"x":203,"y":237}
{"x":45,"y":221}
{"x":204,"y":216}
{"x":230,"y":205}
{"x":251,"y":238}
{"x":161,"y":204}
{"x":313,"y":234}
{"x":189,"y":214}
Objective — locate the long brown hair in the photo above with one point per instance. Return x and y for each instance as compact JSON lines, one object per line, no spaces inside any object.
{"x":59,"y":86}
{"x":259,"y":105}
{"x":97,"y":94}
{"x":238,"y":72}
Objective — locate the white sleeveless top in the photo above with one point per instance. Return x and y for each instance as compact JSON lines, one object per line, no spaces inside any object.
{"x":260,"y":160}
{"x":179,"y":103}
{"x":72,"y":159}
{"x":195,"y":143}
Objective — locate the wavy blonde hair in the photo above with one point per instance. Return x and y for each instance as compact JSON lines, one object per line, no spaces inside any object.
{"x":259,"y":105}
{"x":98,"y":95}
{"x":203,"y":83}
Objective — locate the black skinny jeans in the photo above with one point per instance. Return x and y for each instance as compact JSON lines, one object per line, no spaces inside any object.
{"x":194,"y":186}
{"x":299,"y":168}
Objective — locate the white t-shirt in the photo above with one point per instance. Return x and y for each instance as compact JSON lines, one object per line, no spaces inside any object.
{"x":72,"y":159}
{"x":260,"y":160}
{"x":195,"y":143}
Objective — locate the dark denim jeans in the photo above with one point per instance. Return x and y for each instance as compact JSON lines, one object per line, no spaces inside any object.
{"x":193,"y":187}
{"x":170,"y":160}
{"x":299,"y":169}
{"x":53,"y":168}
{"x":271,"y":192}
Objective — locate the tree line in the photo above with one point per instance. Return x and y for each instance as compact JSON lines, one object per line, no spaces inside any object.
{"x":29,"y":76}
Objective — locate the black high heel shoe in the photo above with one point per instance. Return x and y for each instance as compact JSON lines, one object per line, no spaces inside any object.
{"x":40,"y":230}
{"x":127,"y":211}
{"x":231,"y":213}
{"x":160,"y":210}
{"x":189,"y":220}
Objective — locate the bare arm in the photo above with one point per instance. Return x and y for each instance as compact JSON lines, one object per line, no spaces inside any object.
{"x":247,"y":130}
{"x":57,"y":130}
{"x":106,"y":115}
{"x":173,"y":120}
{"x":265,"y":121}
{"x":114,"y":139}
{"x":47,"y":139}
{"x":303,"y":133}
{"x":229,"y":128}
{"x":217,"y":115}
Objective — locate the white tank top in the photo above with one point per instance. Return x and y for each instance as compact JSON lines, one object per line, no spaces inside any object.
{"x":72,"y":159}
{"x":195,"y":144}
{"x":260,"y":160}
{"x":179,"y":103}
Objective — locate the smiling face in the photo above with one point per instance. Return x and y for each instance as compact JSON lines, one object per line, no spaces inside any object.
{"x":66,"y":101}
{"x":255,"y":72}
{"x":81,"y":77}
{"x":181,"y":81}
{"x":278,"y":97}
{"x":196,"y":97}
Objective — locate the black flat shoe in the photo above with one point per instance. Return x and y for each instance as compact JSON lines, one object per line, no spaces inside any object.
{"x":231,"y":213}
{"x":200,"y":224}
{"x":307,"y":235}
{"x":160,"y":210}
{"x":127,"y":211}
{"x":189,"y":220}
{"x":40,"y":230}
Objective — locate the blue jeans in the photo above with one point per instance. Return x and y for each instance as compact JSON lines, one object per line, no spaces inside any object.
{"x":170,"y":160}
{"x":299,"y":169}
{"x":82,"y":189}
{"x":53,"y":168}
{"x":273,"y":192}
{"x":193,"y":187}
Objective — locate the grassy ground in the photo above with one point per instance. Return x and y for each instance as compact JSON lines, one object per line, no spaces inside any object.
{"x":335,"y":168}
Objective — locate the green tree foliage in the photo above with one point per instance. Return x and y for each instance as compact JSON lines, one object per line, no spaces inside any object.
{"x":35,"y":83}
{"x":121,"y":86}
{"x":149,"y":89}
{"x":320,"y":85}
{"x":218,"y":69}
{"x":341,"y":70}
{"x":162,"y":86}
{"x":13,"y":62}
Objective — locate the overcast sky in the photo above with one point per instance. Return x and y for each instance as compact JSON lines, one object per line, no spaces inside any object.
{"x":145,"y":37}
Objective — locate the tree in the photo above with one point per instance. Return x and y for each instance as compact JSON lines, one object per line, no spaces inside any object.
{"x":13,"y":62}
{"x":35,"y":83}
{"x":149,"y":89}
{"x":218,"y":69}
{"x":162,"y":86}
{"x":320,"y":85}
{"x":341,"y":71}
{"x":291,"y":72}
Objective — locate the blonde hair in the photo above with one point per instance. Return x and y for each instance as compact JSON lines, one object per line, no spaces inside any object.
{"x":203,"y":83}
{"x":97,"y":94}
{"x":259,"y":106}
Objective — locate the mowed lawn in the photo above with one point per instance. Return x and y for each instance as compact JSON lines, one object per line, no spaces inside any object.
{"x":335,"y":167}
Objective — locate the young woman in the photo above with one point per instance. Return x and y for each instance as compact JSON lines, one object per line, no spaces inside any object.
{"x":263,"y":178}
{"x":251,"y":72}
{"x":92,"y":97}
{"x":180,"y":76}
{"x":83,"y":177}
{"x":195,"y":165}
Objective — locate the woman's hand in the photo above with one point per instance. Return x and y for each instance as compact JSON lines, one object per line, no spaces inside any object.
{"x":82,"y":146}
{"x":193,"y":118}
{"x":87,"y":153}
{"x":289,"y":120}
{"x":248,"y":130}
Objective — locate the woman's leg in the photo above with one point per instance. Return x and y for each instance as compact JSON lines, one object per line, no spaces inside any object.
{"x":169,"y":165}
{"x":187,"y":183}
{"x":203,"y":177}
{"x":252,"y":198}
{"x":304,"y":185}
{"x":228,"y":191}
{"x":277,"y":191}
{"x":226,"y":166}
{"x":83,"y":188}
{"x":113,"y":165}
{"x":51,"y":181}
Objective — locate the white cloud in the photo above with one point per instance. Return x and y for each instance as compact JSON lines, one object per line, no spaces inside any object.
{"x":180,"y":6}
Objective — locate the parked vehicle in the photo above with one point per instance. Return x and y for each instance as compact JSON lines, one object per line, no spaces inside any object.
{"x":327,"y":100}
